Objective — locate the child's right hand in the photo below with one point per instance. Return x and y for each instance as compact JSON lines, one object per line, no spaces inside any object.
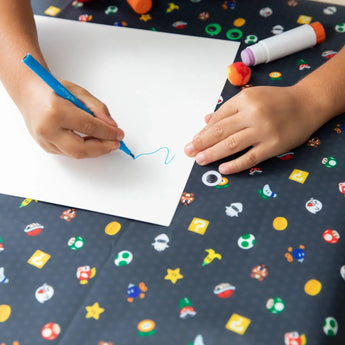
{"x":54,"y":121}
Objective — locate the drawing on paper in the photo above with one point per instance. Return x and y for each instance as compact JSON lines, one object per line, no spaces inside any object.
{"x":167,"y":159}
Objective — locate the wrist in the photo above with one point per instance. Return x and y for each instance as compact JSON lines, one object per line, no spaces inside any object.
{"x":314,"y":102}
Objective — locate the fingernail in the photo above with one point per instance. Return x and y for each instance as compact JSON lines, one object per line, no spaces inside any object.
{"x":115,"y":146}
{"x":222,"y":169}
{"x":120,"y":136}
{"x":200,"y":158}
{"x":208,"y":118}
{"x":225,"y":169}
{"x":189,"y":149}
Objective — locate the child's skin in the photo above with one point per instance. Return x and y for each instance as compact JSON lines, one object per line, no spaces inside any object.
{"x":50,"y":119}
{"x":270,"y":120}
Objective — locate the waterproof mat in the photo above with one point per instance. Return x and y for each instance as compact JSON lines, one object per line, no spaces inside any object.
{"x":253,"y":258}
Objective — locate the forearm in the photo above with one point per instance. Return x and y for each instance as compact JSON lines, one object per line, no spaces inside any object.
{"x":18,"y":36}
{"x":323,"y":91}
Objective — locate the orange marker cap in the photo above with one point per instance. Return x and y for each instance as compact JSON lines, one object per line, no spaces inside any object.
{"x":319,"y":31}
{"x":140,"y":6}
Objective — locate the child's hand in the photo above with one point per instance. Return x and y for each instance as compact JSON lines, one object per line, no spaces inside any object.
{"x":54,"y":121}
{"x":268,"y":120}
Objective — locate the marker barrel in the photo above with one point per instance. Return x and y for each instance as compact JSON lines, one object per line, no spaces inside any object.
{"x":286,"y":43}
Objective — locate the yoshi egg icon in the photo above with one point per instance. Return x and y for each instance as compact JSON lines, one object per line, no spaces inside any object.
{"x":123,"y":258}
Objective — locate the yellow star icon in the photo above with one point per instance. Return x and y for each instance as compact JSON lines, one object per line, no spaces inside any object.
{"x":173,"y":275}
{"x":145,"y":17}
{"x":93,"y":311}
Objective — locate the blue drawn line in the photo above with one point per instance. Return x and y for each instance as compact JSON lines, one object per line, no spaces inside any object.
{"x":166,"y":162}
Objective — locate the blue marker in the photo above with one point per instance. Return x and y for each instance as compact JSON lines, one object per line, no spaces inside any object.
{"x":37,"y":68}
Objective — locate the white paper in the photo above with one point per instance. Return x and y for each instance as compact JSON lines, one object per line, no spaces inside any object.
{"x":157,"y":86}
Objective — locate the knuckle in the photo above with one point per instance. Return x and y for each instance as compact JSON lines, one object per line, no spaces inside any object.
{"x":102,"y":108}
{"x":87,"y":127}
{"x":214,"y":117}
{"x":245,"y":93}
{"x":74,"y":151}
{"x":231,"y":143}
{"x":218,"y":131}
{"x":42,"y":130}
{"x":197,"y":142}
{"x":78,"y":154}
{"x":251,"y":159}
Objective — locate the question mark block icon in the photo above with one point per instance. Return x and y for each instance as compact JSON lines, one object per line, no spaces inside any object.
{"x":299,"y":175}
{"x":303,"y":19}
{"x":238,"y":323}
{"x":39,"y":259}
{"x":198,"y":225}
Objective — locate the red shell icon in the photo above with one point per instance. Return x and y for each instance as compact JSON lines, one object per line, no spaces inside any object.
{"x":33,"y":229}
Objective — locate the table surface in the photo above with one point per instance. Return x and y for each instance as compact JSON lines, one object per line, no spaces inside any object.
{"x":253,"y":258}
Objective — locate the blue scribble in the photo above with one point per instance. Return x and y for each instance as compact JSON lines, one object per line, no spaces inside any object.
{"x":167,"y":160}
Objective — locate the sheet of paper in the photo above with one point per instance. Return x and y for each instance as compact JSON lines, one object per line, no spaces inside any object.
{"x":157,"y":86}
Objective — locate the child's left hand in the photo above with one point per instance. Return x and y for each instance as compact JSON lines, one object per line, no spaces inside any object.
{"x":267,"y":120}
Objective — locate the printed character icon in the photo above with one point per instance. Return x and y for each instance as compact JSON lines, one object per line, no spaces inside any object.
{"x":33,"y":229}
{"x":313,"y":205}
{"x":135,"y":291}
{"x":211,"y":255}
{"x":44,"y":293}
{"x":295,"y":254}
{"x":3,"y":279}
{"x":68,"y":215}
{"x":146,"y":328}
{"x":286,"y":156}
{"x":161,"y":242}
{"x":331,"y":236}
{"x":341,"y":186}
{"x":187,"y":198}
{"x":234,"y":209}
{"x":186,"y":308}
{"x":84,"y":273}
{"x":329,"y":162}
{"x":293,"y":338}
{"x":266,"y":192}
{"x":255,"y":171}
{"x":2,"y":248}
{"x":259,"y":272}
{"x":224,"y":290}
{"x":314,"y":142}
{"x":50,"y":331}
{"x":340,"y":128}
{"x":199,"y":340}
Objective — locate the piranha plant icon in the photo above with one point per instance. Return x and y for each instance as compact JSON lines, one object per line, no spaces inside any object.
{"x":186,"y":308}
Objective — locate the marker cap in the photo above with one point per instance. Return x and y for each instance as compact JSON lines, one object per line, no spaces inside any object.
{"x":140,"y":6}
{"x":248,"y":57}
{"x":319,"y":31}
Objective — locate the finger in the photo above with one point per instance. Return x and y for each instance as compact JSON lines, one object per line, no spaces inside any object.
{"x":248,"y":160}
{"x":74,"y":146}
{"x":213,"y":134}
{"x":84,"y":123}
{"x":229,"y":146}
{"x":229,"y":108}
{"x":48,"y":147}
{"x":98,"y":108}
